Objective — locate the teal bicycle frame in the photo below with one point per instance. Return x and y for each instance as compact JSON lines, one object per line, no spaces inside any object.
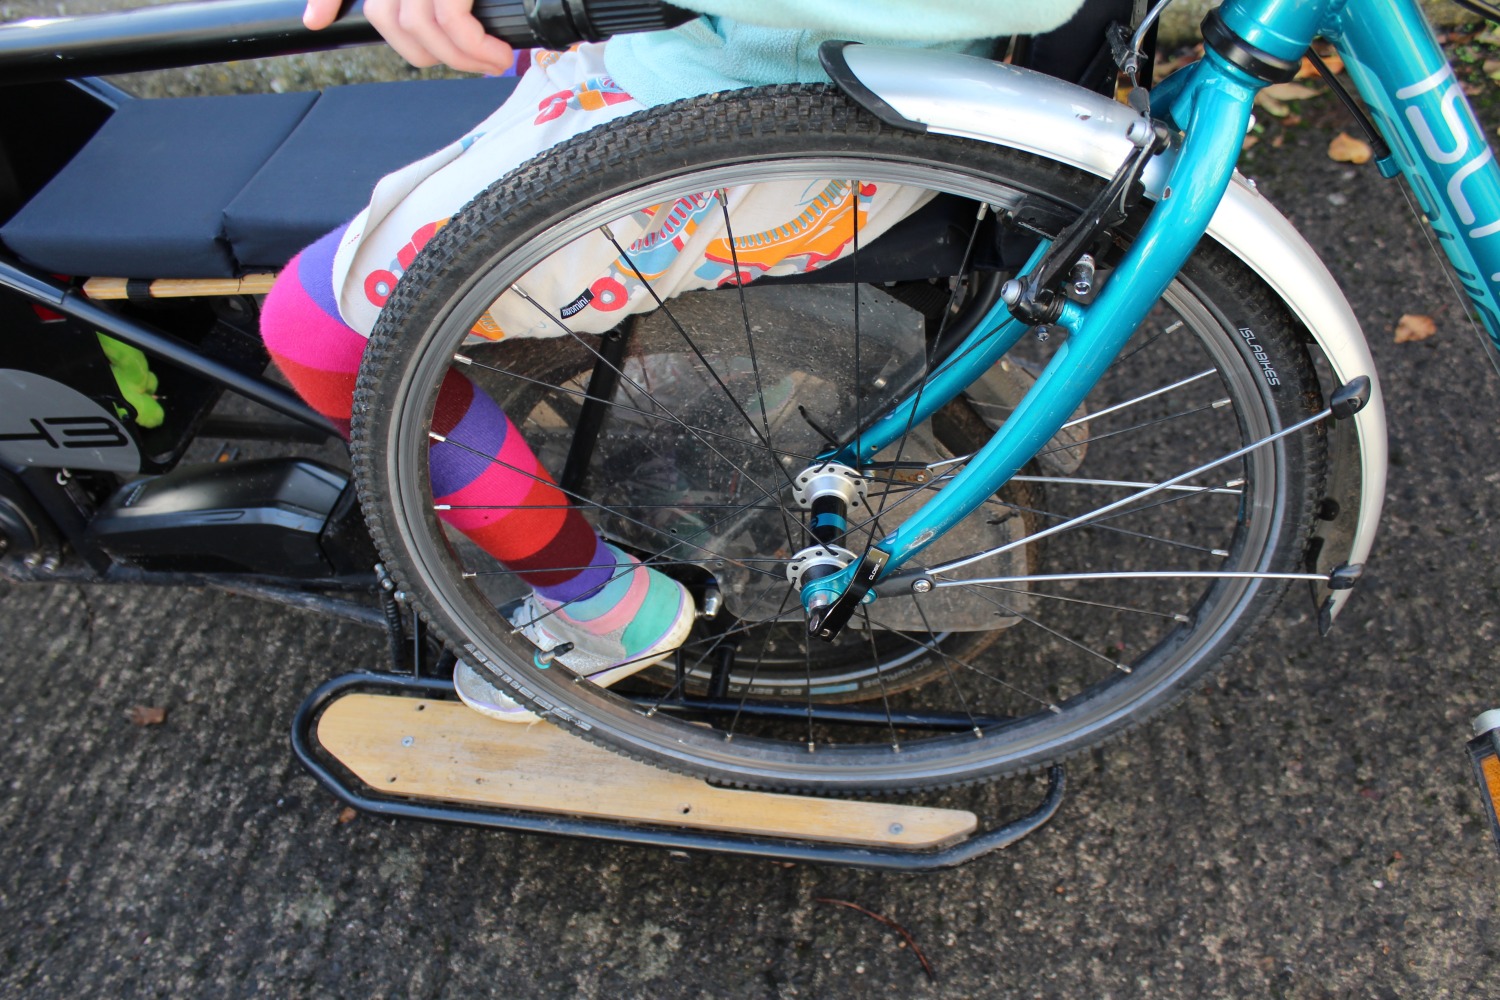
{"x":1436,"y":144}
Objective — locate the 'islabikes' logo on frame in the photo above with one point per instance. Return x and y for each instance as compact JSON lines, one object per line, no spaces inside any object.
{"x":1267,"y":366}
{"x":1459,"y":143}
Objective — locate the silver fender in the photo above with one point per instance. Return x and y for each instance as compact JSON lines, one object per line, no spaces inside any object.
{"x":992,"y":102}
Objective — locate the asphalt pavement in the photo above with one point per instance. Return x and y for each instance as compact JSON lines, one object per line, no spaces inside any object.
{"x":1302,"y":826}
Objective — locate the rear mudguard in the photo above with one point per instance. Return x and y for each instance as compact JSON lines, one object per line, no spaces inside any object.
{"x":1009,"y":106}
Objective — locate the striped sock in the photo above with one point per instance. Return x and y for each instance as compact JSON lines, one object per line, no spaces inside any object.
{"x":528,"y":525}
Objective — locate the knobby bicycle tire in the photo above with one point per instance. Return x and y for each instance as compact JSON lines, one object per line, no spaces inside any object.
{"x":1021,"y":675}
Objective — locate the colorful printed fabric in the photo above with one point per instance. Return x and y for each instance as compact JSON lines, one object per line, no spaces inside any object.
{"x":781,"y":228}
{"x":506,"y":502}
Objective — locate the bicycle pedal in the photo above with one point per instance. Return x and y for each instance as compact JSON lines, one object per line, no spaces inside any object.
{"x":1484,"y":755}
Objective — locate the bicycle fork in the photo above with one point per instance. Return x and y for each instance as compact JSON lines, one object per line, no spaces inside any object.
{"x":1211,"y":101}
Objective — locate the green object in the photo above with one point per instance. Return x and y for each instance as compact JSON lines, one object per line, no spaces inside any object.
{"x":136,"y":380}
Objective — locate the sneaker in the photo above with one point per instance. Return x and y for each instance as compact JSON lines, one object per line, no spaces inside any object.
{"x":636,"y":620}
{"x":474,"y":690}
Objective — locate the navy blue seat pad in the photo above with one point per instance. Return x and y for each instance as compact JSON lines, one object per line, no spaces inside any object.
{"x":220,"y":186}
{"x":353,"y":136}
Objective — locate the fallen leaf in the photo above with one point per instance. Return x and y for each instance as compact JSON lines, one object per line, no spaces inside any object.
{"x":146,"y":715}
{"x":1271,"y":105}
{"x":1347,"y":149}
{"x":1290,"y":91}
{"x":1308,"y":71}
{"x":905,"y":934}
{"x":1410,"y":328}
{"x":1165,"y":67}
{"x":1250,"y":140}
{"x":347,"y":814}
{"x":1492,"y":68}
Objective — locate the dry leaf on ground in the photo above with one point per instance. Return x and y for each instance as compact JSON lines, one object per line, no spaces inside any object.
{"x":1331,"y":60}
{"x":1290,"y":91}
{"x":1347,"y":149}
{"x":146,"y":715}
{"x":1411,"y":327}
{"x":347,"y":814}
{"x":1271,"y":105}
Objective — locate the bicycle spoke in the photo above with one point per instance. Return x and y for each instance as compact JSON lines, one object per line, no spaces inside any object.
{"x":624,"y":407}
{"x":739,"y":285}
{"x":948,"y":666}
{"x":1120,"y":361}
{"x":1127,"y":404}
{"x":1171,"y":616}
{"x":1100,"y":525}
{"x":765,"y":645}
{"x":1122,"y":667}
{"x":970,"y":668}
{"x":1230,"y":489}
{"x":885,"y":700}
{"x":1133,"y":428}
{"x":641,"y":389}
{"x":1166,"y":574}
{"x":1301,"y":425}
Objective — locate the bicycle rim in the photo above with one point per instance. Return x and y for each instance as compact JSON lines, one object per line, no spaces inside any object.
{"x":716,"y":408}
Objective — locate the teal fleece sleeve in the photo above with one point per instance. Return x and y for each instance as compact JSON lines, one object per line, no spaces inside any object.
{"x":762,"y":42}
{"x":897,"y":20}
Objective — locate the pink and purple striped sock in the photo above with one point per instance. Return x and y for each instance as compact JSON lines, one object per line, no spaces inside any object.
{"x":526,"y":521}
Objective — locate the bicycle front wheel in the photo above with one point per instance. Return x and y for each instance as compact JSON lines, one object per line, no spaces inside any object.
{"x":680,"y":434}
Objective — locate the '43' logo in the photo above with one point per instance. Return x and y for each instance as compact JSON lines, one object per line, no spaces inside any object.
{"x":73,"y":432}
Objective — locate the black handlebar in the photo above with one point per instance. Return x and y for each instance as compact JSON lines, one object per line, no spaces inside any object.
{"x":187,"y":34}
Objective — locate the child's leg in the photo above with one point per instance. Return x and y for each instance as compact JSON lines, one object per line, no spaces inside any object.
{"x":586,"y":592}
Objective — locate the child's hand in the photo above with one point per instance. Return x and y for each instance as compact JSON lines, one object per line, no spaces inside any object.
{"x":426,"y":32}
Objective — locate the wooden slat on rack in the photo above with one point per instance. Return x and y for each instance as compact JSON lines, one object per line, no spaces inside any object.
{"x":182,"y":288}
{"x":445,"y":751}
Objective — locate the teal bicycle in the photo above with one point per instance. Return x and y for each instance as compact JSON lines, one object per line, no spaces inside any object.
{"x":980,"y":494}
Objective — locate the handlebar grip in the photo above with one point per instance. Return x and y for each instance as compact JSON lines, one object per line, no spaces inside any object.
{"x":185,"y":34}
{"x":556,"y":24}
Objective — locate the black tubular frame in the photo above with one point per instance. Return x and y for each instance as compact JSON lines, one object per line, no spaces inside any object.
{"x":46,"y":291}
{"x":184,"y":34}
{"x":169,"y":36}
{"x":207,"y":31}
{"x":354,"y":793}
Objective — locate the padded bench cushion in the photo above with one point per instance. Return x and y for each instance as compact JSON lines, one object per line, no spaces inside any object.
{"x":350,"y":139}
{"x":210,"y":187}
{"x":144,"y":198}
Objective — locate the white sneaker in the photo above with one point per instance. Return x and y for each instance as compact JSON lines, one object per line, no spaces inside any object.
{"x":636,"y":620}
